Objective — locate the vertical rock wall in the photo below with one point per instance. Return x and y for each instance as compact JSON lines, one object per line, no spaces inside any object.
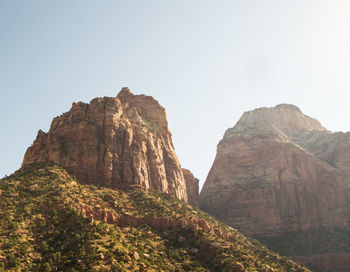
{"x":117,"y":142}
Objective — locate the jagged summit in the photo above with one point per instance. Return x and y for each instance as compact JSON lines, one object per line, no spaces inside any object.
{"x":117,"y":142}
{"x":124,"y":92}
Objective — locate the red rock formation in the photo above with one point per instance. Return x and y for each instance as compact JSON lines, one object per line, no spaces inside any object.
{"x":278,"y":171}
{"x":158,"y":223}
{"x":116,"y":142}
{"x":192,"y":187}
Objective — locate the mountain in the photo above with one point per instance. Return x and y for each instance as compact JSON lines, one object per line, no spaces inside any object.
{"x":51,"y":222}
{"x":280,"y":177}
{"x":119,"y":142}
{"x":103,"y":190}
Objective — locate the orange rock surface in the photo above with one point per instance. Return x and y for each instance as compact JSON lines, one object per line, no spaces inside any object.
{"x":119,"y":142}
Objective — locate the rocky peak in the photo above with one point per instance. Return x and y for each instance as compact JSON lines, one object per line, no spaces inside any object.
{"x":278,"y":173}
{"x":286,"y":118}
{"x":146,"y":108}
{"x":268,"y":152}
{"x":117,"y":142}
{"x":288,"y":107}
{"x":124,"y":92}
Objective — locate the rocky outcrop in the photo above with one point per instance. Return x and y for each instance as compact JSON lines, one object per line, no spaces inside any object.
{"x":278,"y":171}
{"x":192,"y":187}
{"x":118,"y":142}
{"x":158,"y":223}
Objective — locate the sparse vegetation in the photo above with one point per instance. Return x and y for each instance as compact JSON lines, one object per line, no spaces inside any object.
{"x":42,"y":228}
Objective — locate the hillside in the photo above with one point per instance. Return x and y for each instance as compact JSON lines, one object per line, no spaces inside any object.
{"x":50,"y":222}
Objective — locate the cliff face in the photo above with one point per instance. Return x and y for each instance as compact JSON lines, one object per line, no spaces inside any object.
{"x":117,"y":142}
{"x":192,"y":186}
{"x":278,"y":171}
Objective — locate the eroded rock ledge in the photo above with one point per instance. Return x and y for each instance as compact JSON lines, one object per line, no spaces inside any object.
{"x":158,"y":223}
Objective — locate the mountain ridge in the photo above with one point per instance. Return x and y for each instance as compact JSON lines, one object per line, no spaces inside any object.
{"x":120,"y":151}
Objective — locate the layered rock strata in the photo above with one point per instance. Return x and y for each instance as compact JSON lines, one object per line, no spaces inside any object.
{"x":119,"y":142}
{"x":278,"y":171}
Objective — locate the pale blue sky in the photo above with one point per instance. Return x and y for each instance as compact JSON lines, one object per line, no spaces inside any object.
{"x":206,"y":62}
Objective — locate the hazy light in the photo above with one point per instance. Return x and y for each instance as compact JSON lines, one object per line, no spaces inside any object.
{"x":205,"y":61}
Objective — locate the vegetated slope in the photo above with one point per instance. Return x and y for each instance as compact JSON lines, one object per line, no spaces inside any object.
{"x":280,"y":177}
{"x":49,"y":222}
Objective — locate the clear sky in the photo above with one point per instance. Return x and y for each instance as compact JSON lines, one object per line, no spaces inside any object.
{"x":206,"y":62}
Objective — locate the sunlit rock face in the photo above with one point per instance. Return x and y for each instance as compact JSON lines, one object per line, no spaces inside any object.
{"x":120,"y":142}
{"x":278,"y":171}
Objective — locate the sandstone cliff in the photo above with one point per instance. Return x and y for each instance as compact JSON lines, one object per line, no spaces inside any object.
{"x":192,"y":187}
{"x":119,"y":142}
{"x":278,"y":171}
